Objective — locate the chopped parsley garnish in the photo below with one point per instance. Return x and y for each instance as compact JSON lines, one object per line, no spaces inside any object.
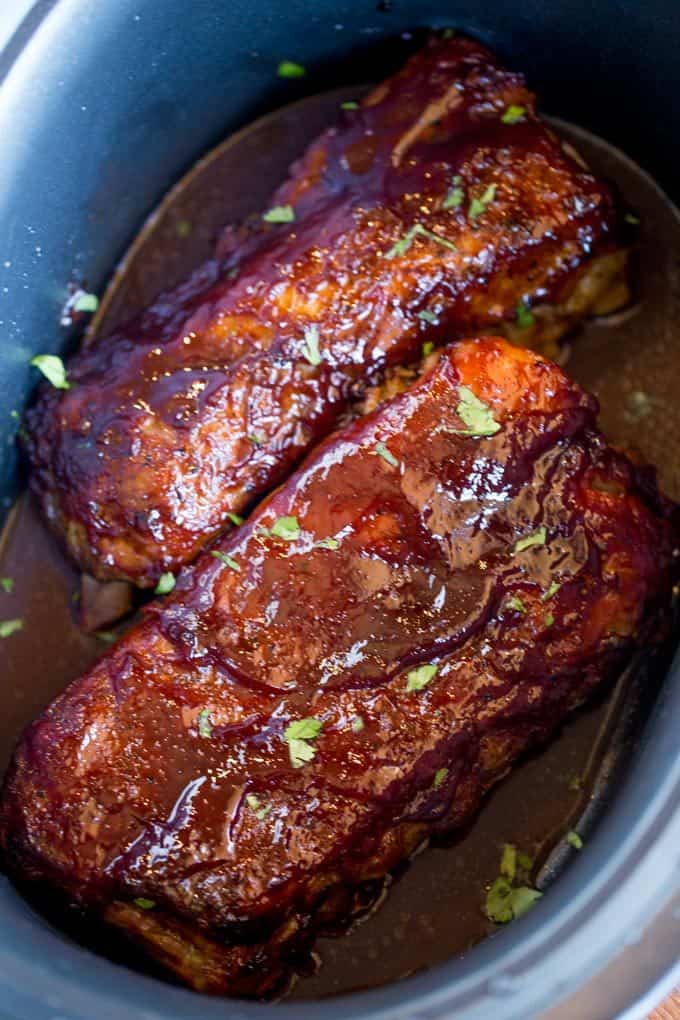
{"x":549,"y":619}
{"x":537,"y":537}
{"x":575,"y":784}
{"x":439,"y":777}
{"x":454,"y":197}
{"x":166,"y":582}
{"x":299,"y":736}
{"x":256,"y":440}
{"x":327,"y":543}
{"x":382,"y":451}
{"x":310,"y":347}
{"x":632,"y":219}
{"x":357,"y":724}
{"x":573,"y":839}
{"x":420,"y":677}
{"x":448,"y":33}
{"x":515,"y":602}
{"x":289,"y":69}
{"x":509,"y":861}
{"x":286,"y":528}
{"x":549,"y":592}
{"x":404,"y":243}
{"x":428,"y":347}
{"x":107,"y":636}
{"x":514,"y":114}
{"x":86,"y":303}
{"x":229,"y":561}
{"x":478,"y":205}
{"x":9,"y":627}
{"x":255,"y":804}
{"x":235,"y":519}
{"x":640,"y":405}
{"x":204,"y":727}
{"x":144,"y":904}
{"x":504,"y":902}
{"x":525,"y":861}
{"x":427,"y":316}
{"x":7,"y":584}
{"x":349,"y":105}
{"x":183,"y":228}
{"x":280,"y":214}
{"x":523,"y":316}
{"x":475,"y":414}
{"x":52,"y":367}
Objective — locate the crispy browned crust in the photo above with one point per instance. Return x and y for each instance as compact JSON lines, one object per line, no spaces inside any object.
{"x":208,"y":399}
{"x":138,"y":780}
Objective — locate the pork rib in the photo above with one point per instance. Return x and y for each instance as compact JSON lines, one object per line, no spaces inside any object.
{"x":422,"y":217}
{"x":433,"y":590}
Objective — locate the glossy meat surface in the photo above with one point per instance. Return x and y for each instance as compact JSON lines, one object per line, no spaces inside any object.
{"x":524,"y":564}
{"x":423,"y":216}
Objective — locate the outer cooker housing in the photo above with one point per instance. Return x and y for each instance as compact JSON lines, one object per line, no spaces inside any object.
{"x":102,"y":106}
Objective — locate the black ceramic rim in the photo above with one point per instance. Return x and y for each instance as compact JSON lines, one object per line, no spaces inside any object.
{"x":603,"y":944}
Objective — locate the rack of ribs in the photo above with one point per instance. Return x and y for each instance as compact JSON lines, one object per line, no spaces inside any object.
{"x":344,"y":675}
{"x":441,"y":207}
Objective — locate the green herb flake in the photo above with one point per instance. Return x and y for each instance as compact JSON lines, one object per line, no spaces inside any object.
{"x":280,"y":214}
{"x":327,"y":543}
{"x":259,"y":810}
{"x":439,"y":777}
{"x":509,"y":861}
{"x":505,"y":903}
{"x":7,"y":584}
{"x":235,"y":519}
{"x":476,"y":415}
{"x":286,"y":528}
{"x":573,"y":839}
{"x":550,"y":591}
{"x":144,"y":904}
{"x":310,"y":347}
{"x":454,"y":196}
{"x":405,"y":242}
{"x":632,"y":219}
{"x":86,"y":303}
{"x":107,"y":637}
{"x":479,"y":205}
{"x":229,"y":561}
{"x":52,"y":367}
{"x":166,"y":583}
{"x":183,"y":228}
{"x":428,"y":347}
{"x":357,"y":724}
{"x":639,"y":405}
{"x":420,"y":677}
{"x":299,"y":736}
{"x":448,"y":33}
{"x":426,"y":316}
{"x":523,"y":317}
{"x":389,"y":458}
{"x":204,"y":727}
{"x":523,"y":899}
{"x":515,"y":602}
{"x":9,"y":627}
{"x":514,"y":114}
{"x":549,"y":619}
{"x":525,"y":862}
{"x":289,"y":69}
{"x":349,"y":106}
{"x":537,"y":537}
{"x":256,"y":440}
{"x":575,"y":784}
